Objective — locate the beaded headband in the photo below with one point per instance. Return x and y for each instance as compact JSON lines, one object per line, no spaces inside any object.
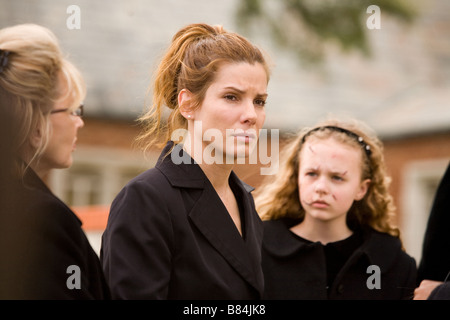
{"x":3,"y":59}
{"x":349,"y":133}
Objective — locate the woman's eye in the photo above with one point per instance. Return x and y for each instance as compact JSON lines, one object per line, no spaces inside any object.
{"x":337,"y":178}
{"x":231,"y":97}
{"x":311,"y":174}
{"x":260,"y":102}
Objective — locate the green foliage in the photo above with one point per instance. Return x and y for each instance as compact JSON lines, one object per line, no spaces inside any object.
{"x":306,"y":26}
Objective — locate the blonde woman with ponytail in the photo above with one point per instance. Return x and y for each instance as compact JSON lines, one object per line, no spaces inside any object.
{"x":41,"y":239}
{"x":188,"y":229}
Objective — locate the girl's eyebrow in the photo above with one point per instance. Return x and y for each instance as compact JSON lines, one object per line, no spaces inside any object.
{"x":340,"y":172}
{"x":313,"y":168}
{"x":335,"y":172}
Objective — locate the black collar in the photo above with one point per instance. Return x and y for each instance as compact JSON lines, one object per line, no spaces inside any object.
{"x":32,"y":180}
{"x":188,"y":173}
{"x":32,"y":188}
{"x":380,"y":248}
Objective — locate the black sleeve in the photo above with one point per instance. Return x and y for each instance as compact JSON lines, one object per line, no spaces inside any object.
{"x":435,"y":262}
{"x":136,"y":245}
{"x":441,"y":292}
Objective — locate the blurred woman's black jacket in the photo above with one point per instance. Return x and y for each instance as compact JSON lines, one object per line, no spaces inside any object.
{"x":435,"y":261}
{"x":297,"y":270}
{"x":40,"y":238}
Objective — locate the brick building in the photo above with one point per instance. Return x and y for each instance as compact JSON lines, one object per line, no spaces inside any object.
{"x":401,"y":91}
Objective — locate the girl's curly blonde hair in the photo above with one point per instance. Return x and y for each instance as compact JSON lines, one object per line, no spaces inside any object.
{"x":279,"y":197}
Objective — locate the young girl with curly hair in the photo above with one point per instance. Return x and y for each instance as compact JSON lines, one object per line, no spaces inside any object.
{"x":328,"y":230}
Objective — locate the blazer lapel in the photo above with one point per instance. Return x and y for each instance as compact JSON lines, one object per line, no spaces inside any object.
{"x":212,"y":219}
{"x":253,"y":227}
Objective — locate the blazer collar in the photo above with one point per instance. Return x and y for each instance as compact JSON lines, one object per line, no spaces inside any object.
{"x":188,"y":173}
{"x":380,"y":248}
{"x":282,"y":242}
{"x":33,"y":188}
{"x":32,"y":180}
{"x":212,"y":219}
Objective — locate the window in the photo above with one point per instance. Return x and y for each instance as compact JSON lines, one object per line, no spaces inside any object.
{"x":421,"y":180}
{"x":97,"y":175}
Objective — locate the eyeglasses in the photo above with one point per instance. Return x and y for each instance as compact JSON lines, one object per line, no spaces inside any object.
{"x":77,"y":112}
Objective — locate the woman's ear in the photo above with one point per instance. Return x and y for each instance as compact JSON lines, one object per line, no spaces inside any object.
{"x":185,"y":104}
{"x":363,"y":187}
{"x":35,"y":138}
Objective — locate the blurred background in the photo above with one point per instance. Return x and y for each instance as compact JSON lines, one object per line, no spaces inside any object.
{"x":389,"y":68}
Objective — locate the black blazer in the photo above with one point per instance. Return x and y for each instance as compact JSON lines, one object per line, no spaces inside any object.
{"x":169,"y":236}
{"x":40,"y":238}
{"x":296,"y":270}
{"x":435,"y":262}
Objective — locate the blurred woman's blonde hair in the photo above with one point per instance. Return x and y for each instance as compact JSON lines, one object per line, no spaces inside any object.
{"x":278,"y":196}
{"x":35,"y":76}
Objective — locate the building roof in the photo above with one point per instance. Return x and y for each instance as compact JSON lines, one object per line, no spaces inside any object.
{"x":403,"y":88}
